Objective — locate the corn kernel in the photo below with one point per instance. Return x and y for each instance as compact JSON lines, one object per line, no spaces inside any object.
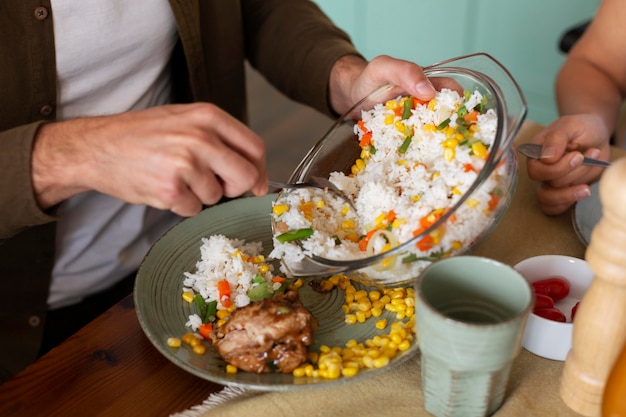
{"x":471,"y":202}
{"x":199,"y":349}
{"x":381,"y":324}
{"x":188,"y":296}
{"x":352,"y":237}
{"x":279,"y":209}
{"x":347,"y":224}
{"x":349,"y":371}
{"x":222,"y":314}
{"x":391,"y":104}
{"x":360,"y":164}
{"x":173,"y":342}
{"x":404,"y":345}
{"x":380,"y":362}
{"x":479,"y":149}
{"x":188,"y":337}
{"x":231,"y":369}
{"x":264,"y":269}
{"x":389,"y":119}
{"x":450,"y":143}
{"x":449,"y":154}
{"x":360,"y":316}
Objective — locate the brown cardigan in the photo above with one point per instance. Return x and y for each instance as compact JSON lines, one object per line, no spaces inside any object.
{"x":289,"y":41}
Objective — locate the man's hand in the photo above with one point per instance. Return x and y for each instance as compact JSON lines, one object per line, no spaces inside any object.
{"x":352,"y":79}
{"x":175,"y":157}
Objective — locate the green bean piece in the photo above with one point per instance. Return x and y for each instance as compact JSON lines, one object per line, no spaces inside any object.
{"x":406,"y":111}
{"x":292,"y":235}
{"x":443,"y":124}
{"x":405,"y":145}
{"x":211,"y":312}
{"x":201,"y":304}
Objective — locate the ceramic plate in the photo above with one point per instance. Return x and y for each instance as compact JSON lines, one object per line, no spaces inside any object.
{"x":587,"y":214}
{"x":162,"y":312}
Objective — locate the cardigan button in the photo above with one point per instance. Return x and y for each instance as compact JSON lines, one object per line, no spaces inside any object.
{"x":41,"y":13}
{"x":34,"y":321}
{"x":46,"y":110}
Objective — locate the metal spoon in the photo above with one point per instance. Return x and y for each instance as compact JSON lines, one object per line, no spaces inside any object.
{"x":533,"y":150}
{"x":316,"y":182}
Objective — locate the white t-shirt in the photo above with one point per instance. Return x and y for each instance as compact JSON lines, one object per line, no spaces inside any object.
{"x":112,"y":57}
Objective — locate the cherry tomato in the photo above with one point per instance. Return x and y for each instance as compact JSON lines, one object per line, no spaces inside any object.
{"x":543,"y":301}
{"x":554,"y":287}
{"x":553,"y":314}
{"x":574,"y":309}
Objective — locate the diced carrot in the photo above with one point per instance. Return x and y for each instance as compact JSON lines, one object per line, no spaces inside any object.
{"x":365,"y":240}
{"x":417,"y":101}
{"x":278,"y":279}
{"x":471,"y":116}
{"x":391,"y":216}
{"x":493,"y":201}
{"x":223,"y":289}
{"x":469,"y":167}
{"x":205,"y":330}
{"x":361,"y":125}
{"x":366,"y":139}
{"x":428,"y":220}
{"x":425,"y":243}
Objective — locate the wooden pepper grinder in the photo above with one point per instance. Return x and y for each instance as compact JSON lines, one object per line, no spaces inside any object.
{"x":600,"y":325}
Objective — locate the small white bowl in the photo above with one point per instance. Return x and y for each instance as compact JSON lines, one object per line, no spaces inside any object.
{"x":547,"y":338}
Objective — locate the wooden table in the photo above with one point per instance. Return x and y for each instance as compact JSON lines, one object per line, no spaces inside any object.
{"x":109,"y":368}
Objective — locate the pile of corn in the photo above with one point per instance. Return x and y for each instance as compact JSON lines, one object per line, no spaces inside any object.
{"x":377,"y":352}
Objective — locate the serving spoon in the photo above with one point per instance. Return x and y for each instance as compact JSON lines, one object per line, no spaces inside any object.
{"x":315,"y":182}
{"x":533,"y":151}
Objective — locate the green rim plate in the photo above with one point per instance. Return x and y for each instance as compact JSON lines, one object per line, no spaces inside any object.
{"x":162,"y":312}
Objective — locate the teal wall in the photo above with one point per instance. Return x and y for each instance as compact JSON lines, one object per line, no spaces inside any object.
{"x":523,"y":35}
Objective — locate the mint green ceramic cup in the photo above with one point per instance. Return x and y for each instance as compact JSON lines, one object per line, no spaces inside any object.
{"x":471,"y":313}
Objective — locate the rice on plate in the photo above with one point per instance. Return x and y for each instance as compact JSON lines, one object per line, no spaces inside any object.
{"x":231,"y":273}
{"x":417,"y":160}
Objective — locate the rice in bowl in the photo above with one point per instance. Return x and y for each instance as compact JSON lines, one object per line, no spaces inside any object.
{"x":418,"y":160}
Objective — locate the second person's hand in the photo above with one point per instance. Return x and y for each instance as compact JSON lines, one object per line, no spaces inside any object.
{"x":564,"y":180}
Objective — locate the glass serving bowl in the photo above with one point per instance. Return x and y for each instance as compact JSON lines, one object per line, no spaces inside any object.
{"x":338,"y":150}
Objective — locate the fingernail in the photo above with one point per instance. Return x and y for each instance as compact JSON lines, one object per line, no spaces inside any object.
{"x":582,"y":193}
{"x":595,"y":153}
{"x":576,"y":161}
{"x":548,"y":151}
{"x":425,"y":88}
